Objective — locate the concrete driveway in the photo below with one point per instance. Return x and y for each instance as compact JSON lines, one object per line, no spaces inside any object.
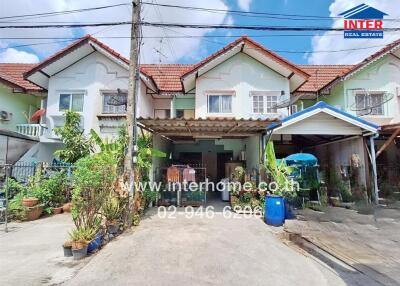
{"x":205,"y":251}
{"x":31,"y":252}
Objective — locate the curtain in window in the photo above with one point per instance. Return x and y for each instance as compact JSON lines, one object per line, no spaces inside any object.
{"x":64,"y":102}
{"x":226,"y":104}
{"x":213,"y":104}
{"x":376,"y":101}
{"x":369,"y":104}
{"x":77,"y":102}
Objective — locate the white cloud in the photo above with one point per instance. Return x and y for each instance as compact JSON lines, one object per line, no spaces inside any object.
{"x":329,"y":42}
{"x":11,"y":55}
{"x":173,"y":49}
{"x":244,"y":4}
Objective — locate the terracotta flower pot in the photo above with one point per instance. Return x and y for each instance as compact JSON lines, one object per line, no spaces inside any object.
{"x":79,"y":244}
{"x":57,"y":210}
{"x":34,"y":213}
{"x":29,"y":202}
{"x":67,"y":207}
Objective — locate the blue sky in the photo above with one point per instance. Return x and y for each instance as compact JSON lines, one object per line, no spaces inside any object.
{"x":193,"y":50}
{"x":279,"y":43}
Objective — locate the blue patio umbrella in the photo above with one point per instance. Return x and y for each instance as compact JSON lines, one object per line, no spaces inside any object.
{"x":304,"y":159}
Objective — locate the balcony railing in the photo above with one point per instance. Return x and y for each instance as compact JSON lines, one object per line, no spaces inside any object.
{"x":33,"y":130}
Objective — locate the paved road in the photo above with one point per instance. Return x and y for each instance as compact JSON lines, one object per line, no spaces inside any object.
{"x":31,"y":252}
{"x":201,"y":251}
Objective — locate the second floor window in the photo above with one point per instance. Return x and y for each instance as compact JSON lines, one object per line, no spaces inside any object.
{"x":264,"y":104}
{"x":219,"y":104}
{"x":258,"y":104}
{"x":162,"y":113}
{"x":71,"y":101}
{"x":114,"y":103}
{"x":369,"y":104}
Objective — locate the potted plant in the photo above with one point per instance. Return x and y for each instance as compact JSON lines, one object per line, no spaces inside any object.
{"x":67,"y":246}
{"x":112,"y":211}
{"x":67,"y":207}
{"x":33,"y":213}
{"x":30,"y":202}
{"x":80,"y":238}
{"x":57,"y":210}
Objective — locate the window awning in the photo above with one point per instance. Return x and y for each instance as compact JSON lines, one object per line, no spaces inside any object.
{"x":323,"y":119}
{"x":186,"y":129}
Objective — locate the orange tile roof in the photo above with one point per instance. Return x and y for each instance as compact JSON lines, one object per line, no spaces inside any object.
{"x":14,"y":74}
{"x":321,"y":75}
{"x":166,"y":76}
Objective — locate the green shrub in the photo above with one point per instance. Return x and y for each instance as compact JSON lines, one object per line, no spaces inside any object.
{"x":92,"y":183}
{"x":51,"y":192}
{"x":76,"y":145}
{"x":83,"y":234}
{"x":112,"y":208}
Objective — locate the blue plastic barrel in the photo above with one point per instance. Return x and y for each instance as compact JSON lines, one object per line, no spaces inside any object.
{"x":274,"y":210}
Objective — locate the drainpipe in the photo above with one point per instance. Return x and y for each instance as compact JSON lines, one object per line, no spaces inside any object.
{"x":373,"y":162}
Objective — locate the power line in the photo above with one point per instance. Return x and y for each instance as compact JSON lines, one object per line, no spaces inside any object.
{"x":56,"y":13}
{"x":175,"y":37}
{"x":254,"y":13}
{"x":190,"y":26}
{"x":251,"y":27}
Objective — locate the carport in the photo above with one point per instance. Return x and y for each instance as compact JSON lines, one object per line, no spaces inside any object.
{"x":334,"y":136}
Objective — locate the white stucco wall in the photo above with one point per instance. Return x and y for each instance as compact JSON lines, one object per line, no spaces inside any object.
{"x":242,"y":75}
{"x":91,"y":75}
{"x":384,"y":75}
{"x":145,"y":102}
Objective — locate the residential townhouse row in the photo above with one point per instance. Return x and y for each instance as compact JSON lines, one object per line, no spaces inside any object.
{"x":219,"y":110}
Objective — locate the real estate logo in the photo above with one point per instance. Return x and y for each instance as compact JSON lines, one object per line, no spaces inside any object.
{"x":363,"y":22}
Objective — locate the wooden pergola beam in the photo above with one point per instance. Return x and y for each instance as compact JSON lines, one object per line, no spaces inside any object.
{"x":388,"y":142}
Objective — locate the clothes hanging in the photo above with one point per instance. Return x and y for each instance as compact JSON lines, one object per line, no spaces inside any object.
{"x":173,"y":174}
{"x":189,"y":174}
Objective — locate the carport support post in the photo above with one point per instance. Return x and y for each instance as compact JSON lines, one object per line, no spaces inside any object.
{"x":374,"y":173}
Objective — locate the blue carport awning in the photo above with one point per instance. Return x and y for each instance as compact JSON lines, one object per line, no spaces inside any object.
{"x":323,"y":119}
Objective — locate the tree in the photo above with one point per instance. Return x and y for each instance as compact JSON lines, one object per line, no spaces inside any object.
{"x":76,"y":145}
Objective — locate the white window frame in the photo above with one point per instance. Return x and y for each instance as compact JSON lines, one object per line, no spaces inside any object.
{"x":260,"y":108}
{"x":266,"y":96}
{"x":103,"y":95}
{"x":71,"y":93}
{"x":220,"y":93}
{"x":372,"y":93}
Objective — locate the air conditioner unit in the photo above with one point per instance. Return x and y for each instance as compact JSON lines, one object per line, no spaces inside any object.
{"x":5,"y":116}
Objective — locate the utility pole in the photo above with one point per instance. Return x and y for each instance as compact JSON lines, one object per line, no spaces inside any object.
{"x":131,"y":99}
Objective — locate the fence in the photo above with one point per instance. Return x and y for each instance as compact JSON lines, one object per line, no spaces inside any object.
{"x":21,"y":171}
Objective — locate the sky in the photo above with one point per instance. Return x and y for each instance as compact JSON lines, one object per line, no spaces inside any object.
{"x":159,"y":47}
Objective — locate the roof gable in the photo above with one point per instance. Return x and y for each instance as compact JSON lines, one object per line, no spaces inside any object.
{"x":71,"y":54}
{"x":243,"y":44}
{"x":325,"y":109}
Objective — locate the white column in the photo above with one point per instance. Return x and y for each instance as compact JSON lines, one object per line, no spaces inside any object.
{"x":374,"y":173}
